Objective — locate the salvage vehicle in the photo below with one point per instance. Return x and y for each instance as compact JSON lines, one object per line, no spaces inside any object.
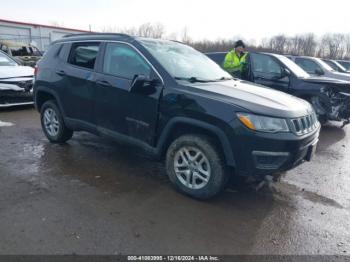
{"x":16,"y":82}
{"x":336,"y":66}
{"x":174,"y":102}
{"x":317,"y":67}
{"x":24,"y":54}
{"x":345,"y":64}
{"x":329,"y":97}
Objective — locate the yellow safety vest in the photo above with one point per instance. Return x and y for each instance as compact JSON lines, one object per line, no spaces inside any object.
{"x":233,"y":63}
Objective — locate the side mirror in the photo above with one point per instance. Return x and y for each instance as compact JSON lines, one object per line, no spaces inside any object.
{"x":285,"y":72}
{"x":319,"y":71}
{"x":143,"y":85}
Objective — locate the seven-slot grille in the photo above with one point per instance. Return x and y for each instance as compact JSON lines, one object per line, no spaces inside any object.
{"x":305,"y":124}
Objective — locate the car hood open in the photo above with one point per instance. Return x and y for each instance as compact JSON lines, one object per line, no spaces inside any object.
{"x":15,"y":71}
{"x":255,"y":98}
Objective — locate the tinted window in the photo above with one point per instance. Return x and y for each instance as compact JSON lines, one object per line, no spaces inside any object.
{"x":265,"y":64}
{"x":84,"y":54}
{"x":217,"y":57}
{"x":308,"y":65}
{"x":331,"y":64}
{"x":123,"y":61}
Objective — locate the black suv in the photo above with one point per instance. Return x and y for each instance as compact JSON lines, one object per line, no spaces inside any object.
{"x":329,"y":97}
{"x":172,"y":101}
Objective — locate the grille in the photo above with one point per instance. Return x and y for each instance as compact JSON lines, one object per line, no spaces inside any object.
{"x":305,"y":124}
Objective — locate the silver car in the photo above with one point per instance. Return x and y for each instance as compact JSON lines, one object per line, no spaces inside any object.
{"x":315,"y":66}
{"x":16,"y":82}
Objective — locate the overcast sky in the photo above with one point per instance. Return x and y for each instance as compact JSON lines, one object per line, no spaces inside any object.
{"x":250,"y":19}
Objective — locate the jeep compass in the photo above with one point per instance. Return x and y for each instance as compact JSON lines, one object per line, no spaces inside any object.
{"x":176,"y":104}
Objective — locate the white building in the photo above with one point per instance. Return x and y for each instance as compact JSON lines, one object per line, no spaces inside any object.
{"x":36,"y":34}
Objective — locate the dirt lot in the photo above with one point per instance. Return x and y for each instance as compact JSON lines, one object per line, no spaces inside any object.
{"x":92,"y":196}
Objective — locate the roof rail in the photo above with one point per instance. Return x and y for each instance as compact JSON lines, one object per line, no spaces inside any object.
{"x":93,"y":33}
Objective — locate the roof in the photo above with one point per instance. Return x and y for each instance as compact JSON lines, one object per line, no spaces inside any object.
{"x":41,"y":25}
{"x":95,"y":36}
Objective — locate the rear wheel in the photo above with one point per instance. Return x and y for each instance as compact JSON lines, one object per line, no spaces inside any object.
{"x":195,"y":167}
{"x":52,"y":123}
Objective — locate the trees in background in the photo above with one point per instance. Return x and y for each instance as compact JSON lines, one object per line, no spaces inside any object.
{"x":330,"y":45}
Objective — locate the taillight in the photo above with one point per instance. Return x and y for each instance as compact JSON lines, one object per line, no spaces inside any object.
{"x":36,"y":70}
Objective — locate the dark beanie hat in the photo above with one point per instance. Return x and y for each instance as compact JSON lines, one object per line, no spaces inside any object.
{"x":239,"y":43}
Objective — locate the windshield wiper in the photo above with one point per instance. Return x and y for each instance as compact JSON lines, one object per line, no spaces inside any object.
{"x":225,"y":78}
{"x":193,"y":79}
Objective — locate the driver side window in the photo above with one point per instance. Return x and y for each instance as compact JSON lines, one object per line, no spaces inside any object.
{"x":123,"y":61}
{"x":265,"y":65}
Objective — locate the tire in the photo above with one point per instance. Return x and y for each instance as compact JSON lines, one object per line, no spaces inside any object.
{"x":200,"y":177}
{"x":52,"y":123}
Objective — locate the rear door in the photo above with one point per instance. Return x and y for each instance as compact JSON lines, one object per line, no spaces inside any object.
{"x":118,"y":110}
{"x":266,"y":70}
{"x":78,"y":77}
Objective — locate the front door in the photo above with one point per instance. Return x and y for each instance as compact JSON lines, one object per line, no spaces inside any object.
{"x":266,"y":70}
{"x":118,"y":110}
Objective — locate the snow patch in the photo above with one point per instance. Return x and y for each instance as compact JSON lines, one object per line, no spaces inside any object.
{"x":5,"y":123}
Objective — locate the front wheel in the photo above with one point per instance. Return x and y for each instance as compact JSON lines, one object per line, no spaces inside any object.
{"x":195,"y":167}
{"x":52,"y":123}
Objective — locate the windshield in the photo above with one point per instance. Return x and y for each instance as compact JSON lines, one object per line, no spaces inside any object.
{"x":324,"y":64}
{"x":331,"y":64}
{"x":345,"y":64}
{"x":6,"y":61}
{"x":342,"y":68}
{"x":297,"y":70}
{"x":183,"y":62}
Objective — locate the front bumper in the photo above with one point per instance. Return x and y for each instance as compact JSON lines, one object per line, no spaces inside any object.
{"x":13,"y":93}
{"x":263,"y":154}
{"x":15,"y":98}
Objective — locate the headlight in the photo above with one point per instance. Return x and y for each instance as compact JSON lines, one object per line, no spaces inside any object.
{"x":263,"y":123}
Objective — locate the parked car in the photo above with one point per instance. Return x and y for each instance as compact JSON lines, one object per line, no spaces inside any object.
{"x":315,"y":66}
{"x":345,"y":64}
{"x":329,"y":97}
{"x":174,"y":102}
{"x":24,"y":54}
{"x":16,"y":82}
{"x":336,"y":66}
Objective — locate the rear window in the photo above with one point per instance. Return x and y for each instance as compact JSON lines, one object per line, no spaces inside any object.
{"x":84,"y":54}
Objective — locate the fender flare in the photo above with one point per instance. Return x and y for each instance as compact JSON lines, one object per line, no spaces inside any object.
{"x":224,"y":141}
{"x":51,"y":92}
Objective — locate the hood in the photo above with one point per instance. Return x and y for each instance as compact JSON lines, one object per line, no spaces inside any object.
{"x":329,"y":80}
{"x":341,"y":76}
{"x":15,"y":71}
{"x":256,"y":99}
{"x":339,"y":85}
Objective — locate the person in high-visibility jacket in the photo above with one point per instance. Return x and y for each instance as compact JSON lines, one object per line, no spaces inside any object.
{"x":235,"y":60}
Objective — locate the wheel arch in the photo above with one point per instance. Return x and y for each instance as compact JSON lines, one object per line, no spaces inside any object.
{"x":181,"y":125}
{"x":44,"y":94}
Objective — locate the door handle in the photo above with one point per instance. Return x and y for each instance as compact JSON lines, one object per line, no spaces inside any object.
{"x":103,"y":83}
{"x":61,"y":72}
